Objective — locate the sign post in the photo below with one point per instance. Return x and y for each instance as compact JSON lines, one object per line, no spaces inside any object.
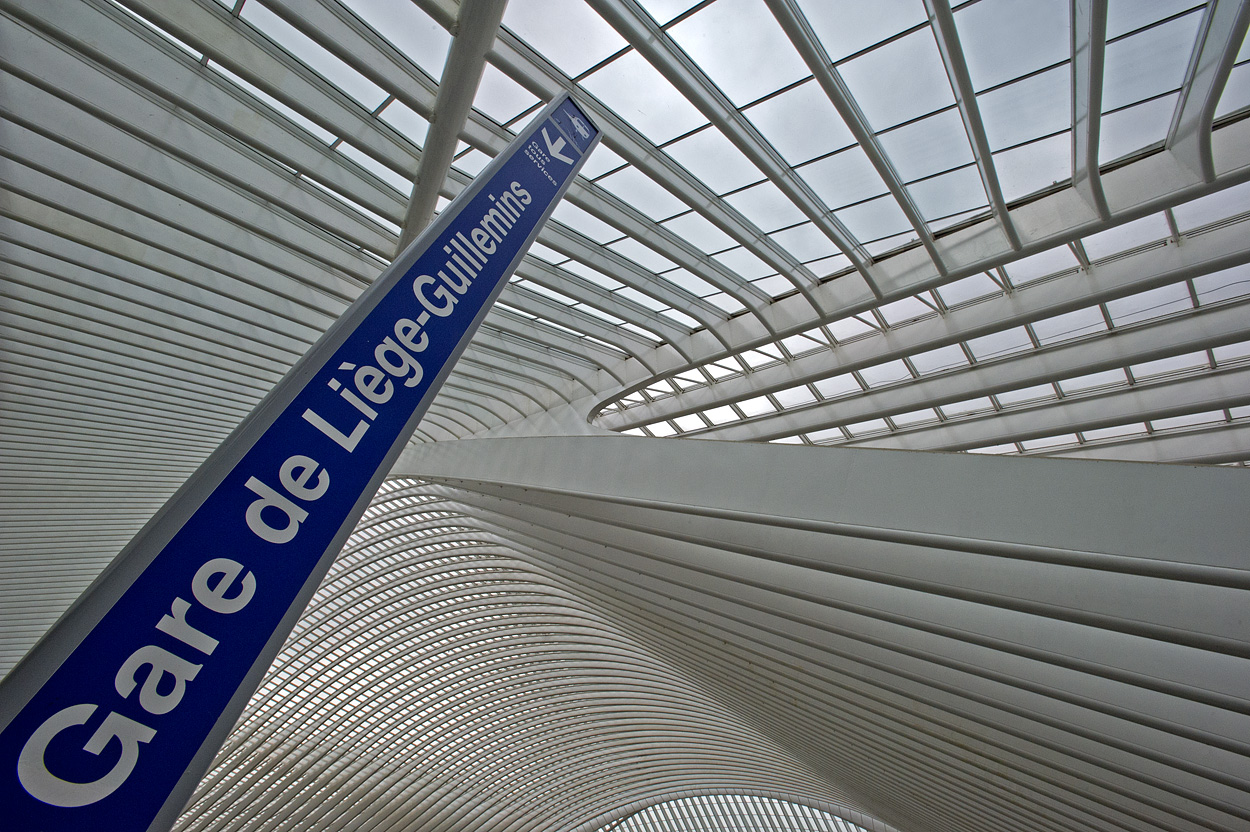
{"x":112,"y":719}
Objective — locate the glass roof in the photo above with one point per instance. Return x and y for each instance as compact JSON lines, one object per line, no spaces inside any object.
{"x":991,"y":226}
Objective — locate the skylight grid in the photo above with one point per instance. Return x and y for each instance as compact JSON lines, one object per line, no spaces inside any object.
{"x":315,"y":56}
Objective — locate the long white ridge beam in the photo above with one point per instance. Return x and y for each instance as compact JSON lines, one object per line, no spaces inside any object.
{"x":843,"y":591}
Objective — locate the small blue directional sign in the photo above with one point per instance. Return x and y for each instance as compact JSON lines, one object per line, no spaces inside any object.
{"x":111,"y":720}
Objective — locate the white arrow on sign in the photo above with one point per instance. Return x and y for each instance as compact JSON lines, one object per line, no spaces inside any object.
{"x":555,"y":147}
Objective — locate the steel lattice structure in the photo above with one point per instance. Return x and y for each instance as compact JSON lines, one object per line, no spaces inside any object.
{"x":1008,"y":229}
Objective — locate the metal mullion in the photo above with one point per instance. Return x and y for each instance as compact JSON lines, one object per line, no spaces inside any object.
{"x":943,"y":22}
{"x":800,"y":32}
{"x":1089,"y":45}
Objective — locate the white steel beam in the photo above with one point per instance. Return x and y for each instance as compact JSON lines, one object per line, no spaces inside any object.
{"x":1089,"y":47}
{"x":1220,"y":36}
{"x":942,"y":19}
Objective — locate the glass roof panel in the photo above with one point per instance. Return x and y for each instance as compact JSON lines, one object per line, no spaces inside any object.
{"x":1236,"y":92}
{"x":395,"y":180}
{"x":942,"y":358}
{"x":643,"y":193}
{"x":531,"y":20}
{"x":1172,"y":364}
{"x":1040,"y":392}
{"x":643,"y":97}
{"x":593,"y":275}
{"x":583,"y":222}
{"x":642,"y":255}
{"x":1208,"y":209}
{"x":1004,"y":39}
{"x":885,"y":373}
{"x":314,"y":55}
{"x":967,"y":407}
{"x":951,"y":193}
{"x":1154,"y":303}
{"x":1133,"y":128}
{"x":692,"y":283}
{"x":1028,"y":109}
{"x":832,"y":388}
{"x":849,"y":26}
{"x":409,"y":29}
{"x":665,"y":10}
{"x":1107,"y":378}
{"x":875,"y":219}
{"x":1124,"y":16}
{"x":548,"y":254}
{"x":714,"y":159}
{"x":905,"y":310}
{"x":601,"y":161}
{"x":766,"y":206}
{"x":928,"y":146}
{"x":1069,"y":325}
{"x":899,"y":81}
{"x":744,"y":263}
{"x":846,"y":329}
{"x":1148,"y":63}
{"x":774,"y":285}
{"x":318,"y":131}
{"x":472,"y":162}
{"x":843,"y":178}
{"x":914,"y":417}
{"x":757,"y":406}
{"x":1222,"y":285}
{"x":1034,"y":166}
{"x":805,"y":242}
{"x":1148,"y":229}
{"x":867,"y":428}
{"x":970,"y":288}
{"x":1001,"y":343}
{"x":742,"y":49}
{"x":696,"y":230}
{"x":501,"y":98}
{"x":801,"y":123}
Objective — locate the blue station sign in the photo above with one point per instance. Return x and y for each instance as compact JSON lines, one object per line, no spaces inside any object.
{"x":112,"y":719}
